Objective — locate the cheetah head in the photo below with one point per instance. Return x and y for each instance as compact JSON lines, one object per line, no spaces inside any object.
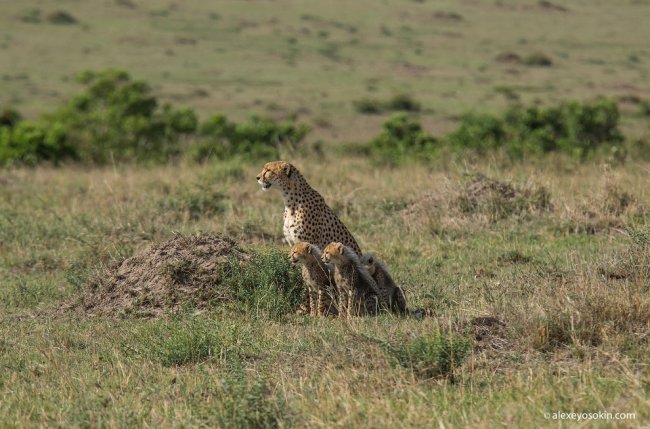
{"x":333,"y":252}
{"x":299,"y":252}
{"x":275,"y":173}
{"x":368,"y":261}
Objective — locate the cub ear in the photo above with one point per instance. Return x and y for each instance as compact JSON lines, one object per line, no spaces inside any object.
{"x":287,"y":169}
{"x":369,"y":260}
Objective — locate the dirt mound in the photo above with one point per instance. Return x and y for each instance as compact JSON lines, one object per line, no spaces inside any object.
{"x":631,"y":264}
{"x":481,"y":189}
{"x":181,"y":271}
{"x":547,"y":5}
{"x":610,"y":209}
{"x":500,"y":199}
{"x":489,"y":333}
{"x":479,"y":199}
{"x":509,"y":58}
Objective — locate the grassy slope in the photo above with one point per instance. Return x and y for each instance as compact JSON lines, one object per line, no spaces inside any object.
{"x":56,"y":224}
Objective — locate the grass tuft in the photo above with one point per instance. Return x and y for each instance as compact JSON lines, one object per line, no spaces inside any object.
{"x":430,"y":356}
{"x":61,"y":17}
{"x":397,"y":103}
{"x":266,"y":287}
{"x":538,"y":59}
{"x":180,"y":342}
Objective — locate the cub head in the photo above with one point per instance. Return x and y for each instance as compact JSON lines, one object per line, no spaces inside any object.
{"x":299,"y":252}
{"x":333,"y":252}
{"x":368,"y":260}
{"x":276,"y":173}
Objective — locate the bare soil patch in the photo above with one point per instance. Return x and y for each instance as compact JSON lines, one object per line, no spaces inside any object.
{"x":489,"y":333}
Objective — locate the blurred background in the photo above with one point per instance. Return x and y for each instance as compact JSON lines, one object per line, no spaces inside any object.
{"x":339,"y":68}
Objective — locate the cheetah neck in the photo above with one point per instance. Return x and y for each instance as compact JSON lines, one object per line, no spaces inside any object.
{"x":314,"y":259}
{"x":293,"y":192}
{"x":316,"y":265}
{"x":347,"y":269}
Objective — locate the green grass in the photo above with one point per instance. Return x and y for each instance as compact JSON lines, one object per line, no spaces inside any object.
{"x":567,"y":273}
{"x":571,"y":303}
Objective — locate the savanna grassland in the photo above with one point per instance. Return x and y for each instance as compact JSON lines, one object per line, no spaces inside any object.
{"x":529,"y":278}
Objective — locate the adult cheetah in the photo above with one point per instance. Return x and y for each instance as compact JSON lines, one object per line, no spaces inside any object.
{"x":353,"y":281}
{"x":306,"y":215}
{"x":318,"y":277}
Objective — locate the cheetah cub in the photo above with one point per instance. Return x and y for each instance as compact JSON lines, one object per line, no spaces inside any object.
{"x":385,"y":283}
{"x":356,"y":287}
{"x":318,"y":278}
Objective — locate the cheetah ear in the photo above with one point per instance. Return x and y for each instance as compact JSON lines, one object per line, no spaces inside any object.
{"x":369,"y":259}
{"x":287,"y":169}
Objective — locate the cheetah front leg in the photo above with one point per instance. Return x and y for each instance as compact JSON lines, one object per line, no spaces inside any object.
{"x":342,"y":300}
{"x":356,"y":306}
{"x":327,"y":305}
{"x":372,"y":304}
{"x":350,"y":305}
{"x":383,"y":301}
{"x":321,"y":303}
{"x":399,"y":300}
{"x":313,"y":301}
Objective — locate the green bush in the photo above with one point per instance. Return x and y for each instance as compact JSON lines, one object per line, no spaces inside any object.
{"x":256,"y":138}
{"x":577,"y":129}
{"x":404,"y":103}
{"x":397,"y":103}
{"x":117,"y":119}
{"x":478,"y":132}
{"x":369,"y":106}
{"x":9,"y":117}
{"x":402,"y":137}
{"x":267,"y":286}
{"x":61,"y":17}
{"x":534,"y":130}
{"x":29,"y":143}
{"x":538,"y":59}
{"x":574,"y":128}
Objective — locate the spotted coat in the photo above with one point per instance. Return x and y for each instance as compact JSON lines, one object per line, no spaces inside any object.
{"x":318,"y":278}
{"x":385,"y":283}
{"x":306,"y":215}
{"x":354,"y":281}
